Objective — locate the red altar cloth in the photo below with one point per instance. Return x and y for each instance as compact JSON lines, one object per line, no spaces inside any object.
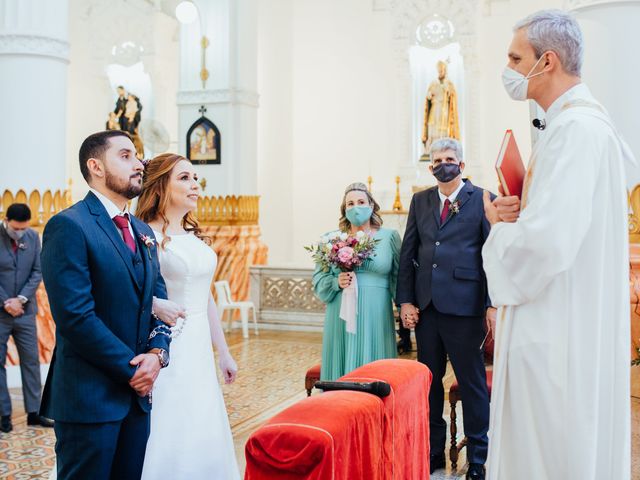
{"x":406,"y":445}
{"x":335,"y":435}
{"x":350,"y":435}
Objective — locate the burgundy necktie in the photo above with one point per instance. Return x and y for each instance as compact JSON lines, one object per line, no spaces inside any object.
{"x":445,"y":211}
{"x":122,"y":222}
{"x":14,"y":246}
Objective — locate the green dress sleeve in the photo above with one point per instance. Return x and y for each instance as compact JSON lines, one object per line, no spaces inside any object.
{"x":325,"y":284}
{"x":396,"y":244}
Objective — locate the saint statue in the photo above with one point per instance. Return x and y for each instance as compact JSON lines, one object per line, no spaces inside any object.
{"x":440,"y":110}
{"x":126,"y":116}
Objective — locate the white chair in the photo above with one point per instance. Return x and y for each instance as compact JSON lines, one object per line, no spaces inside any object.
{"x":226,"y":303}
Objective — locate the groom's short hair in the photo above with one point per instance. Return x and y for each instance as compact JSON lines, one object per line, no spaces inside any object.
{"x":94,"y":146}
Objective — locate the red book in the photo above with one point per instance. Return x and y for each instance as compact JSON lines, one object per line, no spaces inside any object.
{"x":509,"y":166}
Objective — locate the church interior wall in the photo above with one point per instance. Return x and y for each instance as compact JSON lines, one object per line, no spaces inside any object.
{"x":275,"y":117}
{"x":329,"y":95}
{"x":345,"y":119}
{"x":92,"y":32}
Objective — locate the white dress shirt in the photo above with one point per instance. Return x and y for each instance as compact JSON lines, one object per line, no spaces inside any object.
{"x":113,"y":210}
{"x":452,"y":197}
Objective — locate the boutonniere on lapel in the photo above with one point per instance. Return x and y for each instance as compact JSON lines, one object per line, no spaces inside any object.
{"x":455,"y":208}
{"x":148,"y":242}
{"x":22,"y":246}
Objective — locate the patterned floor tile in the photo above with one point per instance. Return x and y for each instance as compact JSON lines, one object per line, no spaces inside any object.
{"x":271,"y":377}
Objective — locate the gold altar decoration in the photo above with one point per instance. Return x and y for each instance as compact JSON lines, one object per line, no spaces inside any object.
{"x":397,"y":203}
{"x":204,"y":73}
{"x":369,"y":182}
{"x":43,"y":205}
{"x":634,"y":285}
{"x":232,"y":223}
{"x":229,"y":210}
{"x":238,"y":248}
{"x":634,"y":215}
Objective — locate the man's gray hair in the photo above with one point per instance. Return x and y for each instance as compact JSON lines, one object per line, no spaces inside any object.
{"x":446,"y":143}
{"x":556,"y":31}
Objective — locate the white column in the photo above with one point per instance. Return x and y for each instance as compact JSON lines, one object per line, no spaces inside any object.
{"x":612,"y":64}
{"x":230,"y":95}
{"x":34,"y":55}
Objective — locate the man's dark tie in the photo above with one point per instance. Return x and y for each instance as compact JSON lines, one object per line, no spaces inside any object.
{"x":445,"y":211}
{"x":14,"y":246}
{"x":122,"y":222}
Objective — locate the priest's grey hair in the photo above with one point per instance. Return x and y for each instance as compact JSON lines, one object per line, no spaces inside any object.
{"x":446,"y":143}
{"x":556,"y":31}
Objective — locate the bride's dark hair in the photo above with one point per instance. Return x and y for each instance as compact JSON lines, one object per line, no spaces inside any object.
{"x":152,"y":203}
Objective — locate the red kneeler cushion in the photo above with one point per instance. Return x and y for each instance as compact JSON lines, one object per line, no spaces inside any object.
{"x":335,"y":435}
{"x":350,"y":435}
{"x":406,"y":452}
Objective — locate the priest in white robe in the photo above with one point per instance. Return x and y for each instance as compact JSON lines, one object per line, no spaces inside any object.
{"x":558,"y":267}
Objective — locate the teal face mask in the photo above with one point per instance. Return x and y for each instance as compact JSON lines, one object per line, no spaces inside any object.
{"x":359,"y":215}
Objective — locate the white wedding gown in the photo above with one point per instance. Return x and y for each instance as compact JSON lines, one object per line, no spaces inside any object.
{"x":190,"y":433}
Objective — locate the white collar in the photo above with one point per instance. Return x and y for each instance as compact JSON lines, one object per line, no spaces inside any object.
{"x":111,"y":208}
{"x":578,"y":91}
{"x":452,"y":197}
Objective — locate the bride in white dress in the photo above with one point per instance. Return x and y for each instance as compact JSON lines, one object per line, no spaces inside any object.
{"x":190,"y":433}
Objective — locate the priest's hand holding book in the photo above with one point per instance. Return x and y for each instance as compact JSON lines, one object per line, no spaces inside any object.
{"x":502,"y":209}
{"x":511,"y":172}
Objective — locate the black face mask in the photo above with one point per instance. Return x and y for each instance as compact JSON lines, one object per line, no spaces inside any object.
{"x":445,"y":172}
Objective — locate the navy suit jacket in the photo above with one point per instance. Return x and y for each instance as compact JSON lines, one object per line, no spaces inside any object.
{"x":102,"y":311}
{"x":442,"y":264}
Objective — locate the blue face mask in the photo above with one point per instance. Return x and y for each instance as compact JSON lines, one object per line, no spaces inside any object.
{"x":359,"y":215}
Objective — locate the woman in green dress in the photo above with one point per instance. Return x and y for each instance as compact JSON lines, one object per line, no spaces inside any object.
{"x":376,"y":278}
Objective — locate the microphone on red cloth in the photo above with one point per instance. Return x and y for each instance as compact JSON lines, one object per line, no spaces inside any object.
{"x":379,"y":389}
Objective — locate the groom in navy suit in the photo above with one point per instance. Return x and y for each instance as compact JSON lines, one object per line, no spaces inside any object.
{"x":101,"y":273}
{"x":442,"y":291}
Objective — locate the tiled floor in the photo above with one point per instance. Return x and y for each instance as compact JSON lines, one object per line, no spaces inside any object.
{"x":272,"y":368}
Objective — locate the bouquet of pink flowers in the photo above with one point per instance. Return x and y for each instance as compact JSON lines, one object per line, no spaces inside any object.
{"x":341,"y":250}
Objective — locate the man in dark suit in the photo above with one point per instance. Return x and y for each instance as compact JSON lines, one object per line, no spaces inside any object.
{"x":101,"y":273}
{"x":443,"y":294}
{"x":20,"y":277}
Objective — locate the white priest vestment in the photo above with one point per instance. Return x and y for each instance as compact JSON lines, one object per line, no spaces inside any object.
{"x":560,"y":405}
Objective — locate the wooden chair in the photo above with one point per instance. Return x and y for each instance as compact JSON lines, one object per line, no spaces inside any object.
{"x":226,"y":303}
{"x":455,"y":397}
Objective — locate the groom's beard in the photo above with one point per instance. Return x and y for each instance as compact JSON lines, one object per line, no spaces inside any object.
{"x":129,"y":188}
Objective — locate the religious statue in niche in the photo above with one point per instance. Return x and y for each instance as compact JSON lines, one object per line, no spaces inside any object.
{"x":126,"y":116}
{"x":440,"y":110}
{"x":203,"y":141}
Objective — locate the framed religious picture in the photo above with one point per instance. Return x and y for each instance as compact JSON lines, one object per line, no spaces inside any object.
{"x":203,"y":142}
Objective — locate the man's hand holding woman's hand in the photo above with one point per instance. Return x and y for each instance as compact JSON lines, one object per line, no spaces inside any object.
{"x":409,"y":315}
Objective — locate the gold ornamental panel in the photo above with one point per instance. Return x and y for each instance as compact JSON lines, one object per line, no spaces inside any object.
{"x":43,"y":205}
{"x":229,"y":210}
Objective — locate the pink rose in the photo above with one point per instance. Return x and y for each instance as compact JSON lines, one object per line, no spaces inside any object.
{"x":345,"y":254}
